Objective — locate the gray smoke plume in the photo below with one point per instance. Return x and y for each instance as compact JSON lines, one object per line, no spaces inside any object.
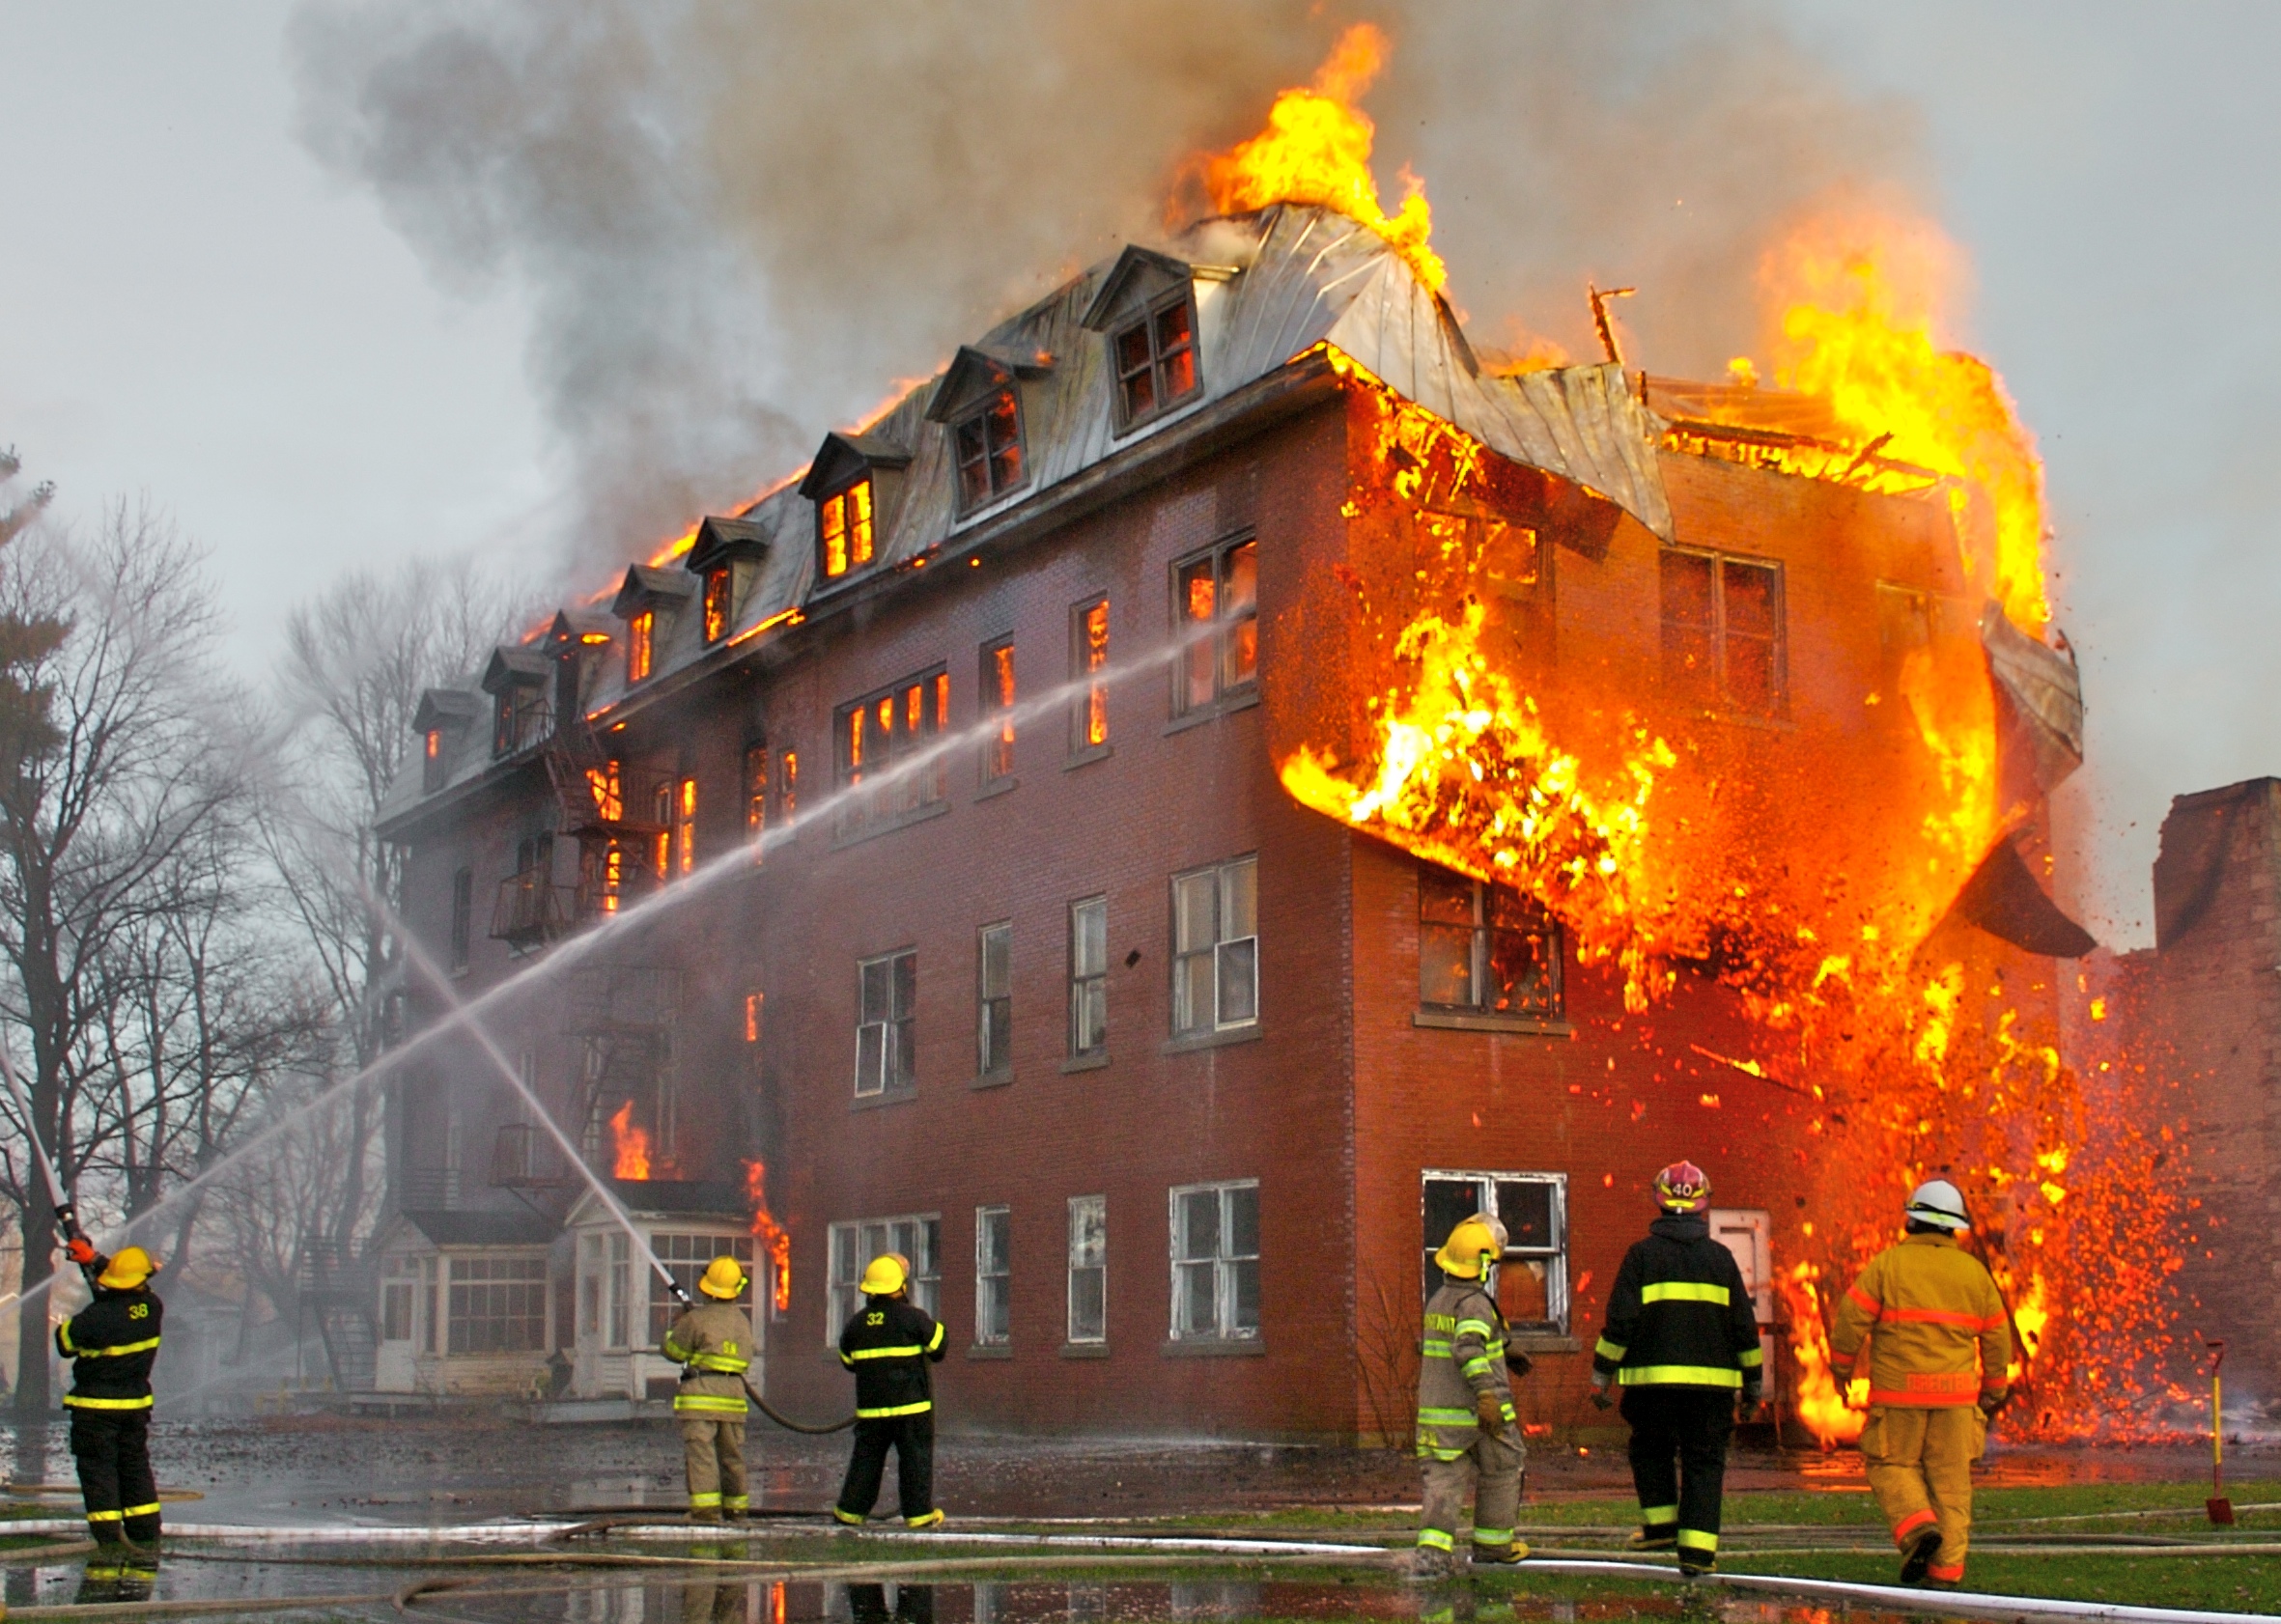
{"x":737,"y":225}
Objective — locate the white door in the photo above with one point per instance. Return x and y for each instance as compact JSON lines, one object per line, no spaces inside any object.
{"x":393,"y":1368}
{"x":1749,"y":1234}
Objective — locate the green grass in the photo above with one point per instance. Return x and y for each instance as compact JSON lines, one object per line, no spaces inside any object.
{"x":2223,"y":1583}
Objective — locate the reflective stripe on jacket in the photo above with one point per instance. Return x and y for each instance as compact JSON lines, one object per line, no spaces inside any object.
{"x":889,"y":1343}
{"x":1935,"y":1323}
{"x":112,"y":1343}
{"x":1461,"y":1357}
{"x":1679,"y":1314}
{"x":713,"y":1344}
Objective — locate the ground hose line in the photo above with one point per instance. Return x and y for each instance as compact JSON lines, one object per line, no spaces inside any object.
{"x":787,"y":1422}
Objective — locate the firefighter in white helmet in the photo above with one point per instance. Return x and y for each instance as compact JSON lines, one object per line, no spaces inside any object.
{"x":1940,"y":1341}
{"x":1466,"y":1432}
{"x":713,"y":1344}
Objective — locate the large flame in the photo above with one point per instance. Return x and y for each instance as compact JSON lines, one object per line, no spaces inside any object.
{"x":1316,"y":149}
{"x":630,"y":1145}
{"x":770,"y":1234}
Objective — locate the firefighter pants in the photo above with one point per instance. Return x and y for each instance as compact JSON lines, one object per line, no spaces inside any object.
{"x":1678,"y":1461}
{"x":713,"y":1450}
{"x":1491,"y":1472}
{"x":912,"y":1439}
{"x":112,"y":1448}
{"x":1920,"y":1462}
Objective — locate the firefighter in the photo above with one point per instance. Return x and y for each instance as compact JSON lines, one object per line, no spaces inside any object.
{"x":112,"y":1343}
{"x":1940,"y":1346}
{"x":1466,"y":1433}
{"x":713,"y":1344}
{"x":1682,"y":1342}
{"x":888,"y":1344}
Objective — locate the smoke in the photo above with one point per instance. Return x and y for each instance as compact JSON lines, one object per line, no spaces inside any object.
{"x":735,"y":225}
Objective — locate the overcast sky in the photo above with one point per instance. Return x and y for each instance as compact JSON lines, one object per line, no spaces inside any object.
{"x":191,"y":306}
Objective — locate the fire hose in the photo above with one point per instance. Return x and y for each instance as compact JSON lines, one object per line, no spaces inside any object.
{"x":787,"y":1422}
{"x":67,"y":1216}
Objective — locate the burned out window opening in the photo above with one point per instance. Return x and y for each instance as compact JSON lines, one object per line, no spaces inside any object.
{"x":641,"y":645}
{"x":1155,"y":359}
{"x":1485,"y":948}
{"x":993,"y":1277}
{"x":1089,"y":663}
{"x":1089,"y":1269}
{"x":521,"y":716}
{"x":1216,"y":615}
{"x":1216,"y":948}
{"x":986,"y":447}
{"x":462,"y":917}
{"x":844,"y":533}
{"x":432,"y":765}
{"x":1088,"y":978}
{"x":788,"y":787}
{"x":997,"y":699}
{"x":1532,"y":1278}
{"x":1724,"y":640}
{"x":917,"y":1236}
{"x":889,"y":739}
{"x":994,"y":999}
{"x":1214,"y":1235}
{"x":756,"y":799}
{"x":755,"y":1007}
{"x":720,"y":595}
{"x":886,"y":1024}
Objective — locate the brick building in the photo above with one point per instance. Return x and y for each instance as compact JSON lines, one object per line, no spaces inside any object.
{"x":1037,"y":973}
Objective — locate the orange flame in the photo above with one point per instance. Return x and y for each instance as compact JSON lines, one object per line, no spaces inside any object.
{"x":770,"y":1234}
{"x":1832,"y":1417}
{"x":1316,"y":149}
{"x":629,"y":1146}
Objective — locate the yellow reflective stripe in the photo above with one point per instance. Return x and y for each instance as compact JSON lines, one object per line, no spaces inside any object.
{"x":1608,"y":1350}
{"x":710,"y":1403}
{"x":1655,"y":1516}
{"x":1492,"y":1536}
{"x":706,"y":1497}
{"x":935,"y":1341}
{"x":910,"y":1351}
{"x":1437,"y":1349}
{"x":1483,"y":1327}
{"x":1677,"y":1376}
{"x":1440,"y":1417}
{"x":1433,"y":1539}
{"x":673,"y":1350}
{"x":151,"y":1510}
{"x":62,"y":1337}
{"x":737,"y":1502}
{"x":1685,"y":1291}
{"x":105,"y":1516}
{"x":1694,"y":1539}
{"x":715,"y":1362}
{"x":119,"y":1352}
{"x":1750,"y":1359}
{"x":78,"y":1401}
{"x":894,"y":1409}
{"x":1476,"y":1367}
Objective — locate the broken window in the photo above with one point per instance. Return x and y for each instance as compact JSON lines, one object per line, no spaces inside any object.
{"x":1531,"y":1281}
{"x":1088,"y":660}
{"x":918,"y":1238}
{"x":1155,"y":360}
{"x":1485,"y":949}
{"x":432,"y":761}
{"x":519,"y":717}
{"x":1216,"y":608}
{"x":640,"y":630}
{"x":1216,"y":948}
{"x":887,"y":740}
{"x":1088,"y":977}
{"x":1722,"y":638}
{"x":498,"y":1304}
{"x":463,"y":915}
{"x":1216,"y":1261}
{"x":685,"y":825}
{"x":987,"y":445}
{"x":994,"y":1026}
{"x":844,"y":529}
{"x":756,"y":797}
{"x":993,"y":1277}
{"x":887,"y":1026}
{"x":1088,"y":1268}
{"x":719,"y":591}
{"x":998,"y":694}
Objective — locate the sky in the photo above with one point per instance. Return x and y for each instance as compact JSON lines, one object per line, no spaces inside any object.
{"x":202,"y":302}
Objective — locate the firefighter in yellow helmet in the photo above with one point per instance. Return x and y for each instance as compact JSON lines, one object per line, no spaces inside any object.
{"x":112,"y":1343}
{"x":1467,"y":1437}
{"x":713,"y":1344}
{"x":889,"y":1343}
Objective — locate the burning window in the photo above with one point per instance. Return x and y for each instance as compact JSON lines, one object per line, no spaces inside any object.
{"x":1485,"y":949}
{"x":997,"y":692}
{"x":1155,"y":360}
{"x":685,"y":825}
{"x":1088,"y":977}
{"x":987,"y":445}
{"x":498,"y":1304}
{"x":1723,"y":639}
{"x":1216,"y":1261}
{"x":1215,"y":607}
{"x":994,"y":1017}
{"x":432,"y":761}
{"x":993,"y":1277}
{"x":888,"y":740}
{"x":886,"y":1024}
{"x":844,"y":529}
{"x":640,"y":649}
{"x":1216,"y":948}
{"x":754,"y":1004}
{"x":1088,"y":661}
{"x":1532,"y":1279}
{"x":463,"y":916}
{"x":917,"y":1237}
{"x":1088,"y":1268}
{"x":519,"y":717}
{"x":756,"y":798}
{"x":719,"y":591}
{"x":789,"y":791}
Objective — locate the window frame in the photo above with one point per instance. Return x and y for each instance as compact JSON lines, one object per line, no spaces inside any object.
{"x":432,"y":767}
{"x":1718,"y":689}
{"x":1483,"y":951}
{"x":641,"y":645}
{"x":857,"y":556}
{"x":1181,"y":993}
{"x":1225,"y":1263}
{"x":1088,"y":654}
{"x":759,"y":763}
{"x":990,"y":1271}
{"x":997,"y":684}
{"x":898,"y":1031}
{"x":686,"y":1255}
{"x":866,"y":1239}
{"x":920,"y":793}
{"x":1233,"y":631}
{"x":1099,"y":1264}
{"x":717,"y":602}
{"x":505,"y":1300}
{"x":1089,"y":988}
{"x":1558,"y":1306}
{"x":993,"y":1027}
{"x":978,"y":416}
{"x":1120,"y":376}
{"x":521,"y":716}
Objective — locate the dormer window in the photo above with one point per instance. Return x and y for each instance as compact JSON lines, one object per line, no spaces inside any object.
{"x":519,"y":717}
{"x":844,"y":529}
{"x":432,"y":761}
{"x":989,"y":445}
{"x":441,"y":723}
{"x":716,"y":603}
{"x":641,"y":645}
{"x":1156,"y":359}
{"x":648,"y":603}
{"x":725,"y":556}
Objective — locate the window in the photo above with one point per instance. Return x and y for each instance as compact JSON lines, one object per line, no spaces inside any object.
{"x":1485,"y":947}
{"x":1723,"y":642}
{"x":718,"y":593}
{"x":463,"y":915}
{"x":756,"y":797}
{"x":1217,"y":610}
{"x":1216,"y":1261}
{"x":498,"y":1304}
{"x":987,"y":444}
{"x":1216,"y":948}
{"x":621,"y":1291}
{"x":1088,"y":977}
{"x":395,"y":1299}
{"x":993,"y":1276}
{"x":686,"y":1258}
{"x":754,"y":1004}
{"x":1088,"y":660}
{"x":1088,"y":1268}
{"x":994,"y":1035}
{"x":640,"y":633}
{"x":887,"y":1030}
{"x":1532,"y":1283}
{"x":519,"y":717}
{"x":685,"y":825}
{"x":432,"y":761}
{"x":917,"y":1237}
{"x":998,"y":694}
{"x":1156,"y":360}
{"x":844,"y":529}
{"x":885,"y":739}
{"x":788,"y":798}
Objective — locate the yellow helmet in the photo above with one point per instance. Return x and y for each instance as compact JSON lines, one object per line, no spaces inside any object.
{"x":1472,"y":1246}
{"x":889,"y":1274}
{"x":129,"y":1266}
{"x":724,"y":1279}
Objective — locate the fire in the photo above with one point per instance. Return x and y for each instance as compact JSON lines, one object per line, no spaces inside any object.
{"x":629,"y":1146}
{"x":1832,"y":1417}
{"x":1316,"y":149}
{"x":769,"y":1232}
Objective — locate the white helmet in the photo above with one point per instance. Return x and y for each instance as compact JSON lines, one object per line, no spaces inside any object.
{"x":1940,"y":1203}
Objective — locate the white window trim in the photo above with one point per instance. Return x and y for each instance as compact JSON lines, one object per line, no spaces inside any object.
{"x":837,"y":1311}
{"x":982,"y":1337}
{"x":1222,"y":1275}
{"x":1219,"y":944}
{"x":1555,"y":1257}
{"x":1070,"y":1267}
{"x":881,"y":1085}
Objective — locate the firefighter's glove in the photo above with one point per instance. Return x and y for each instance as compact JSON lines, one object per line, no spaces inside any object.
{"x":80,"y":1251}
{"x":1516,"y":1362}
{"x":1990,"y":1403}
{"x":1489,"y":1409}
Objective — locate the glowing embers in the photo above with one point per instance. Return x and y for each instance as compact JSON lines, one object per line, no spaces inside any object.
{"x":630,"y":1145}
